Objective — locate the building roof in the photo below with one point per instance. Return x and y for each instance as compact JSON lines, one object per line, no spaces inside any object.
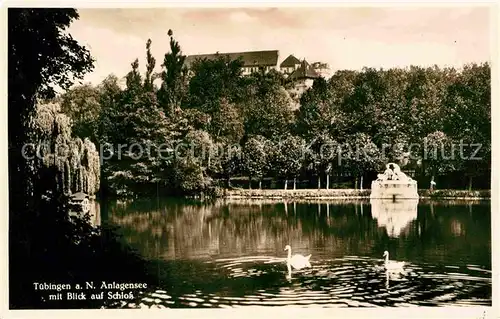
{"x":291,"y":60}
{"x":249,"y":58}
{"x":305,"y":71}
{"x":79,"y":196}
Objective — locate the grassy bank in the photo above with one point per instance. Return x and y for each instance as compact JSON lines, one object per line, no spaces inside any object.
{"x":346,"y":193}
{"x":455,"y":194}
{"x":297,"y":193}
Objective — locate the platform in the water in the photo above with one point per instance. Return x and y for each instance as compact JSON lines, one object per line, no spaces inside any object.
{"x":394,"y":189}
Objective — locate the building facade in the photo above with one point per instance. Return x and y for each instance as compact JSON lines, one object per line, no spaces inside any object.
{"x":289,"y":65}
{"x":303,"y":77}
{"x":253,"y":61}
{"x":322,"y":69}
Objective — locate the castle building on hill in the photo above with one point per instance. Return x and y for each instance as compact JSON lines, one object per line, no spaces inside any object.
{"x":300,"y":73}
{"x":304,"y":75}
{"x":255,"y":61}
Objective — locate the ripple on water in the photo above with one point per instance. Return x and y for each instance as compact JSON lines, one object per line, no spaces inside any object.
{"x":349,"y":282}
{"x":193,"y":299}
{"x":160,"y":294}
{"x":452,"y":267}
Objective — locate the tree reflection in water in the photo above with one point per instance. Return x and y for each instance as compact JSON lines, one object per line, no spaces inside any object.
{"x":204,"y":244}
{"x":191,"y":230}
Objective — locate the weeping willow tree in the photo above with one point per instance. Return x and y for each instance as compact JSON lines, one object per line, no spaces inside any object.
{"x":73,"y":162}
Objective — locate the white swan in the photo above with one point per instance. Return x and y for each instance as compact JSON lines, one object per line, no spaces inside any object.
{"x":392,"y":265}
{"x":297,"y":261}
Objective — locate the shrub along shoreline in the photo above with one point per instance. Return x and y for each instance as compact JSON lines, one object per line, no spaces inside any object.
{"x":347,"y":194}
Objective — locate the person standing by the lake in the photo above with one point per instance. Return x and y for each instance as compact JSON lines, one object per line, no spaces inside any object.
{"x":433,"y":184}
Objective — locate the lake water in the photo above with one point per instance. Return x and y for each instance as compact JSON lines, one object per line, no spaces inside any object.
{"x":231,"y":253}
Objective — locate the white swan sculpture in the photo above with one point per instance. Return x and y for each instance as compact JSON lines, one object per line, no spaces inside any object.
{"x":392,"y":265}
{"x":297,"y":261}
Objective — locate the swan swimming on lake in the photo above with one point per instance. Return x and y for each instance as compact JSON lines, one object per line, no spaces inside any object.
{"x":297,"y":261}
{"x":392,"y":265}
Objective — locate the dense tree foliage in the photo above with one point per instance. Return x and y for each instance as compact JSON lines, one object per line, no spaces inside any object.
{"x":42,"y":56}
{"x":46,"y":162}
{"x":344,"y":131}
{"x":75,"y":163}
{"x":256,"y":158}
{"x":174,"y":75}
{"x":82,"y":105}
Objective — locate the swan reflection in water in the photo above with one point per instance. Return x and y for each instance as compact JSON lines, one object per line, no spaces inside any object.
{"x":390,"y":276}
{"x":289,"y":274}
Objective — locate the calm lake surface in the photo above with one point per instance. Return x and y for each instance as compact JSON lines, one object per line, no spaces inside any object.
{"x":231,"y":253}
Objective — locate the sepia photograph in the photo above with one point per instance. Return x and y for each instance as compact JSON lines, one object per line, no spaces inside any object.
{"x":250,"y":156}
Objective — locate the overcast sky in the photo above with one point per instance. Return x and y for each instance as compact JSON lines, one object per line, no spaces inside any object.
{"x":346,"y":38}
